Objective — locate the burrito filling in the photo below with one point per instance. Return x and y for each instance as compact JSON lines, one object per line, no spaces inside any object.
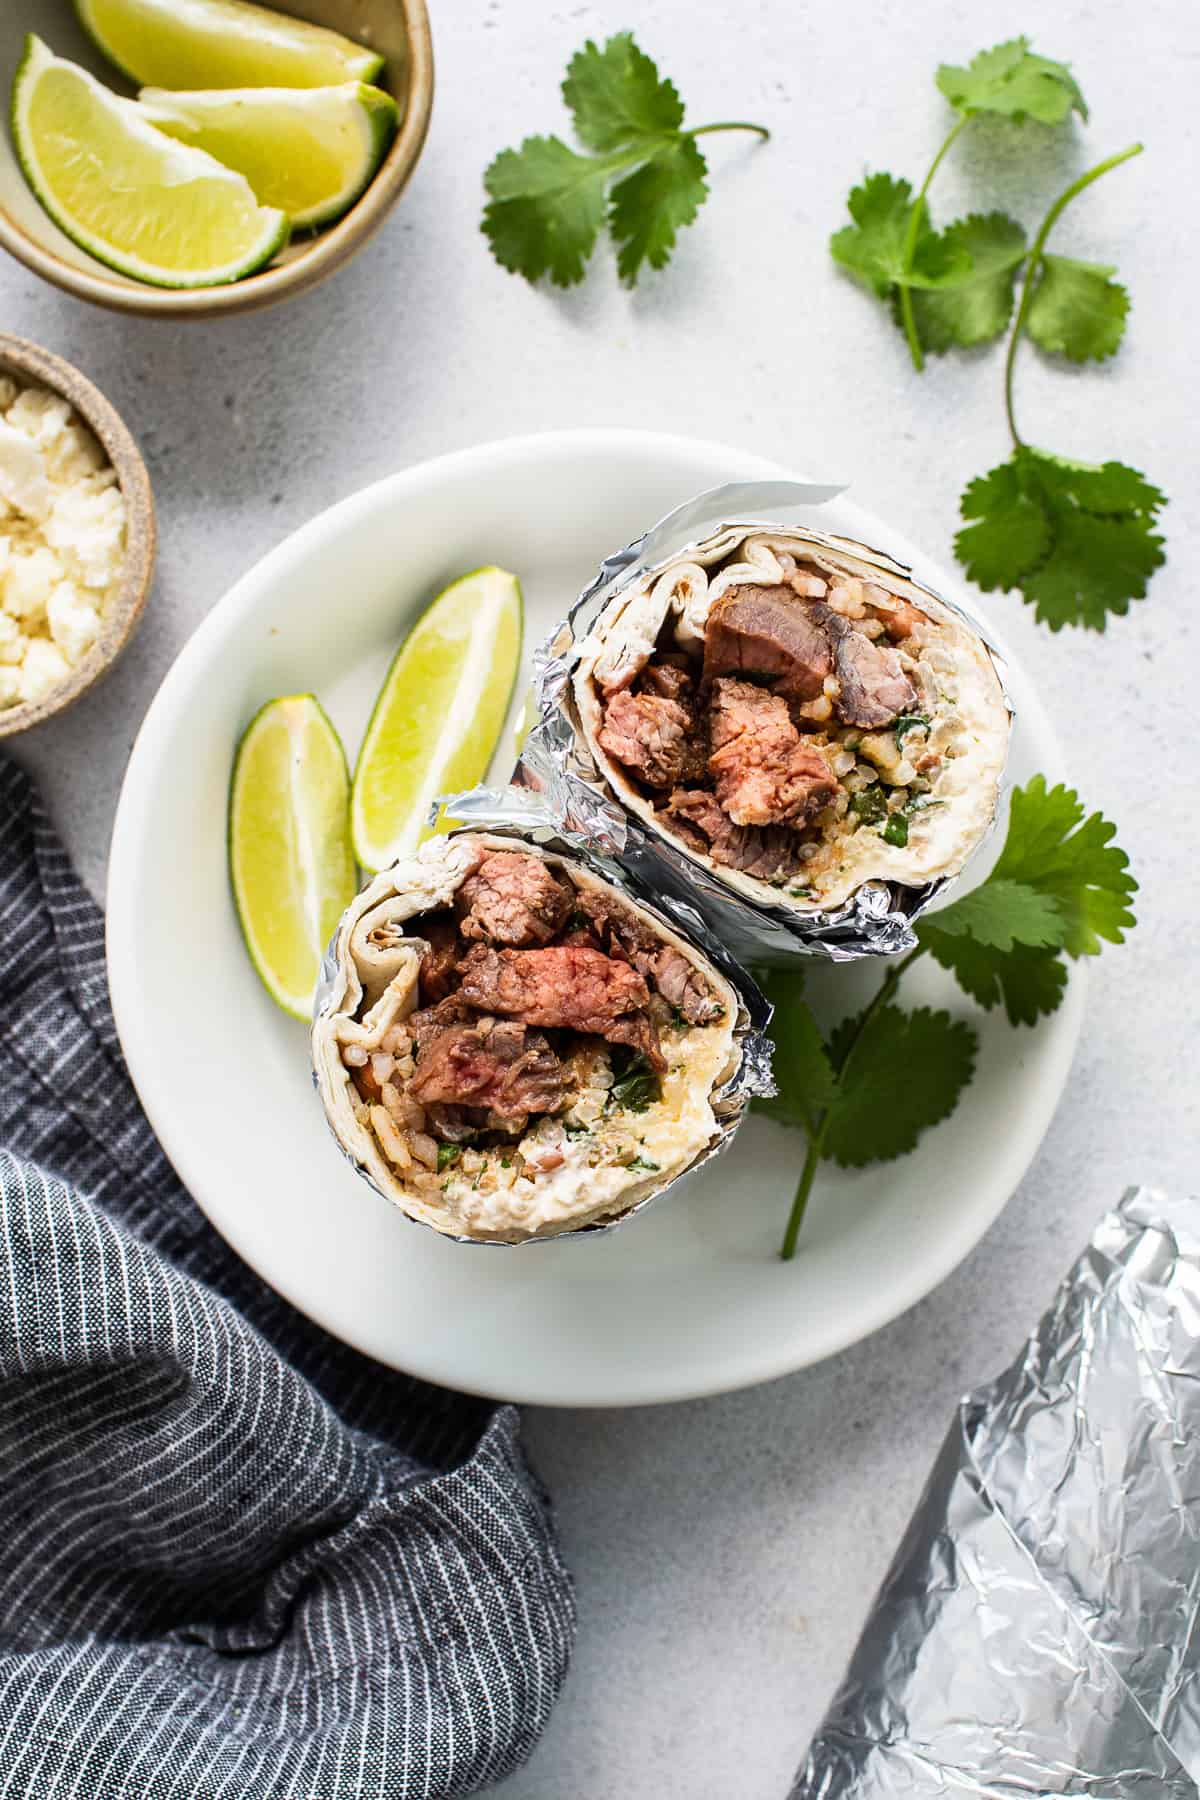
{"x":791,"y":721}
{"x":558,"y":1052}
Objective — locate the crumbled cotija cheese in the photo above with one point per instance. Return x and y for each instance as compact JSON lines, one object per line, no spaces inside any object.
{"x":62,"y":540}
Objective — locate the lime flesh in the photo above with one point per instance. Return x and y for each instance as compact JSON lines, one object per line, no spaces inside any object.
{"x":290,"y":859}
{"x":439,"y":715}
{"x":308,"y":151}
{"x":156,"y":210}
{"x":221,"y":44}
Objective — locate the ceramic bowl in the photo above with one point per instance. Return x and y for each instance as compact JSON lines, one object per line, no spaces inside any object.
{"x":27,"y":363}
{"x":399,"y":29}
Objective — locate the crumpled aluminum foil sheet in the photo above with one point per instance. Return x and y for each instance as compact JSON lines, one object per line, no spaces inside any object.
{"x":555,"y":761}
{"x":1039,"y":1630}
{"x":516,"y":812}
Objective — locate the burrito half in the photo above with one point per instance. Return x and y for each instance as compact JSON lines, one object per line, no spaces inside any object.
{"x":511,"y":1048}
{"x":797,"y":714}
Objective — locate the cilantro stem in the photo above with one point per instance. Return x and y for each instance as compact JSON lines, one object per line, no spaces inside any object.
{"x":730,"y":125}
{"x":816,"y":1141}
{"x":1033,"y":265}
{"x":800,"y":1203}
{"x":908,"y":249}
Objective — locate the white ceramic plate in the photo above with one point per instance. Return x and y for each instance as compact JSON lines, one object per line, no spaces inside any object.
{"x":690,"y":1298}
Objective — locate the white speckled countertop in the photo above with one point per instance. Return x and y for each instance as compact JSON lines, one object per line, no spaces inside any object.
{"x":726,"y":1551}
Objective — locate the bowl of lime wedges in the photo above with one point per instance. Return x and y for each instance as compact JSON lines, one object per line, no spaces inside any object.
{"x":194,"y":157}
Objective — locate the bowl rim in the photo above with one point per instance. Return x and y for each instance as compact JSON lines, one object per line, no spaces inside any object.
{"x":31,"y":362}
{"x":320,"y":259}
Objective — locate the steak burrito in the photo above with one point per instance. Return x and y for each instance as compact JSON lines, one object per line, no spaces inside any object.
{"x":797,"y":714}
{"x":509,"y":1047}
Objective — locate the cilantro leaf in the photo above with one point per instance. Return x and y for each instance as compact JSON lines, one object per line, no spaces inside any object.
{"x":1077,"y":310}
{"x":976,"y":304}
{"x":546,"y":209}
{"x":801,"y":1066}
{"x":650,"y":205}
{"x":1095,"y":568}
{"x":637,"y":1085}
{"x":1077,"y":540}
{"x":616,"y":95}
{"x":1001,"y":913}
{"x":547,"y":203}
{"x":908,"y":1071}
{"x":1012,"y":535}
{"x":1029,"y":980}
{"x":1052,"y":846}
{"x":1060,"y":884}
{"x":872,"y":249}
{"x":1012,"y":80}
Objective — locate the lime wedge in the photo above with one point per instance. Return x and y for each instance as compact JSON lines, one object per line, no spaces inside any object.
{"x":159,"y":211}
{"x":439,"y":714}
{"x":221,"y":43}
{"x":308,"y":151}
{"x":289,"y":847}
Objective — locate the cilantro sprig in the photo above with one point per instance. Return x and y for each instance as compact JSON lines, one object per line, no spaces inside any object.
{"x":1077,"y":539}
{"x":548,"y":203}
{"x":866,"y":1091}
{"x":954,"y":287}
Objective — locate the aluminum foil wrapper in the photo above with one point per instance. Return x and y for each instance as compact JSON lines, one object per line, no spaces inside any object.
{"x":555,"y":760}
{"x":1039,"y":1631}
{"x":519,"y":813}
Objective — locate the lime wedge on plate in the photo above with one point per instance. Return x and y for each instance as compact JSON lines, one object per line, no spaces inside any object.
{"x":221,"y":43}
{"x":439,"y":714}
{"x":159,"y":211}
{"x":289,"y":847}
{"x":308,"y":151}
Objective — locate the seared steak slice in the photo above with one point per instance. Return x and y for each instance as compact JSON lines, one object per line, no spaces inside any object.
{"x":454,"y":1124}
{"x":668,"y":677}
{"x":649,"y":735}
{"x":440,"y":961}
{"x":564,"y":987}
{"x":767,"y":854}
{"x":494,"y":1064}
{"x":875,"y":689}
{"x":431,"y":1021}
{"x":677,"y":979}
{"x":513,"y":899}
{"x":765,"y":773}
{"x":683,"y":986}
{"x":768,"y":631}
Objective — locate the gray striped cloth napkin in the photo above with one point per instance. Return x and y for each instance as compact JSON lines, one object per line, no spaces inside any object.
{"x":238,"y":1561}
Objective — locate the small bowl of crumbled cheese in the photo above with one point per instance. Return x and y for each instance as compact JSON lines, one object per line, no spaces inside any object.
{"x":76,"y":535}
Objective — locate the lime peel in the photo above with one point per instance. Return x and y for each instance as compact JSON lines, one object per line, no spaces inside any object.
{"x":119,"y":188}
{"x":221,"y":43}
{"x":290,"y":859}
{"x":311,"y":152}
{"x":439,"y":714}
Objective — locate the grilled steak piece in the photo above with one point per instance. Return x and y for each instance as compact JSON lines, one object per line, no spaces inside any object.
{"x":563,"y":987}
{"x":440,"y":961}
{"x":767,"y":853}
{"x":875,"y":689}
{"x":513,"y":899}
{"x":768,"y":631}
{"x":430,"y":1021}
{"x":677,"y":979}
{"x":765,"y":773}
{"x":649,"y":735}
{"x":455,"y":1124}
{"x":494,"y":1064}
{"x":668,"y":677}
